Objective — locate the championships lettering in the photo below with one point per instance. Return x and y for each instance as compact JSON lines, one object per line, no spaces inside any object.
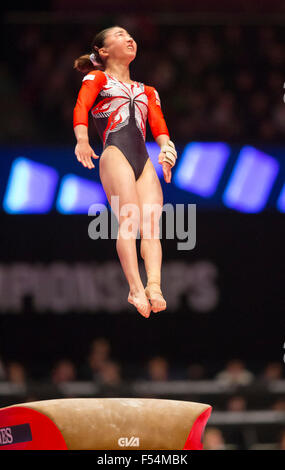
{"x":15,"y":434}
{"x":61,"y":287}
{"x":6,"y":436}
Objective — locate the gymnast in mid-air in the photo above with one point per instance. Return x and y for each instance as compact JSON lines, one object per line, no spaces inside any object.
{"x":120,"y":108}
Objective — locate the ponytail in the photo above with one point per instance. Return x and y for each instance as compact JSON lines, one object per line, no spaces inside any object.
{"x":84,"y":64}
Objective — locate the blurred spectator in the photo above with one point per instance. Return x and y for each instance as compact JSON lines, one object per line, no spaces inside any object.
{"x":245,"y":81}
{"x":2,"y":370}
{"x":235,"y":373}
{"x":281,"y":443}
{"x":236,"y":403}
{"x":179,"y":46}
{"x":110,"y":374}
{"x":273,"y":371}
{"x":158,"y":369}
{"x":100,"y":348}
{"x":278,"y":117}
{"x":16,"y":373}
{"x":163,"y":74}
{"x":110,"y":381}
{"x":63,"y":371}
{"x":279,"y":405}
{"x":100,"y":353}
{"x":224,"y":122}
{"x":259,"y":105}
{"x":196,"y":372}
{"x":213,"y":439}
{"x":266,"y":131}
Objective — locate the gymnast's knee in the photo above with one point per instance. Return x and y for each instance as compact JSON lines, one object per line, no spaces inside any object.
{"x":150,"y":227}
{"x":129,"y":226}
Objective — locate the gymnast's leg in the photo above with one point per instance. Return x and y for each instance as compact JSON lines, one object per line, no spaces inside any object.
{"x":118,"y":179}
{"x":151,"y":201}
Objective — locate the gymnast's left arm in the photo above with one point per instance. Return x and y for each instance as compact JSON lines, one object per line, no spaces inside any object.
{"x":167,"y":156}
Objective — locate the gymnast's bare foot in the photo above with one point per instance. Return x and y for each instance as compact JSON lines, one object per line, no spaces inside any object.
{"x":154,"y":294}
{"x":139,"y":300}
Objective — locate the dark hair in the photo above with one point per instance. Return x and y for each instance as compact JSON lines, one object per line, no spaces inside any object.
{"x":83,"y":63}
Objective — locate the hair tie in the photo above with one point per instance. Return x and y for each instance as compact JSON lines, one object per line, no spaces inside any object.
{"x":93,"y":59}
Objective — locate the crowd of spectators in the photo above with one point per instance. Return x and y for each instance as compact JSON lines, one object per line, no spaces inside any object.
{"x":102,"y":368}
{"x":222,"y":82}
{"x":100,"y":365}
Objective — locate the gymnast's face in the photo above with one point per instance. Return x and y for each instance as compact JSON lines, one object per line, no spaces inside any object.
{"x":119,"y":45}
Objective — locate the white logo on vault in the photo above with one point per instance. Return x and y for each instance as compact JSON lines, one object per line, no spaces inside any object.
{"x":129,"y":442}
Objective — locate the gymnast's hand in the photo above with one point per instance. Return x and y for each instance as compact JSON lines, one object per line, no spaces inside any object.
{"x":167,"y":157}
{"x":166,"y":167}
{"x":84,"y":153}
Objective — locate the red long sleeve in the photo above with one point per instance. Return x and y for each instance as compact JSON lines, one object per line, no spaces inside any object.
{"x":155,"y":115}
{"x":91,"y":86}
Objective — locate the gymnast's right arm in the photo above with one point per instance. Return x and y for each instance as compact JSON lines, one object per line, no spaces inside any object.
{"x":91,"y":85}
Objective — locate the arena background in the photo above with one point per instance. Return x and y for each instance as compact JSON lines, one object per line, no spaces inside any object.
{"x":66,"y":328}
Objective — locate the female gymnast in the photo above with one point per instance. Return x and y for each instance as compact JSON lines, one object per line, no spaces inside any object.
{"x":120,"y":107}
